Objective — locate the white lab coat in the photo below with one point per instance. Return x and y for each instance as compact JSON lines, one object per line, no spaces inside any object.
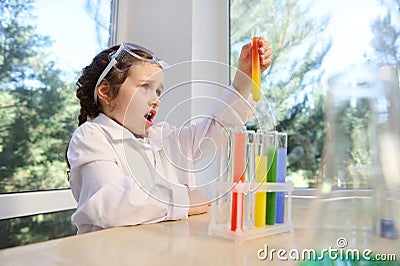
{"x":118,"y":179}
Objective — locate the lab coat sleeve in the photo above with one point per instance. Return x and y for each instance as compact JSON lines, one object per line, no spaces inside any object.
{"x":106,"y":197}
{"x":117,"y":201}
{"x":182,"y":148}
{"x":230,"y":110}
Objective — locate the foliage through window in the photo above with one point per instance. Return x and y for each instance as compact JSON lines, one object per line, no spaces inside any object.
{"x":44,"y":44}
{"x":38,"y":72}
{"x":311,"y":40}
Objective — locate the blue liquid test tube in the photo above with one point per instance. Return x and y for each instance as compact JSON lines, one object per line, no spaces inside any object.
{"x":281,"y":176}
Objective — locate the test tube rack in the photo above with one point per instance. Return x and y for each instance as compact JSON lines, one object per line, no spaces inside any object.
{"x":221,"y":207}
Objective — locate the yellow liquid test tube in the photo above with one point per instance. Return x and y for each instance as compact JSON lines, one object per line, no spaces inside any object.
{"x":255,"y":64}
{"x":260,"y":197}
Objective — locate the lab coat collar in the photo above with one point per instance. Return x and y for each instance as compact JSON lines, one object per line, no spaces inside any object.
{"x":158,"y":133}
{"x":114,"y":130}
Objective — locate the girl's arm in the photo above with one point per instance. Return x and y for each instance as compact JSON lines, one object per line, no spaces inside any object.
{"x":106,"y":195}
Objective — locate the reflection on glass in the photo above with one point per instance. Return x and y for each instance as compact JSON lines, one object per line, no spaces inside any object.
{"x":36,"y":228}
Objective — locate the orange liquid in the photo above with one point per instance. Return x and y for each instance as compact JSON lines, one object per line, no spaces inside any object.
{"x":255,"y":69}
{"x":237,"y":211}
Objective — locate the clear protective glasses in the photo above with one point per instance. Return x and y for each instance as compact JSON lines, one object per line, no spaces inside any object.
{"x":124,"y":59}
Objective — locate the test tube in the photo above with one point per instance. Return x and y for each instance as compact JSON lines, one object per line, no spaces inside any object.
{"x":239,"y":162}
{"x":248,"y":219}
{"x":271,"y":176}
{"x":261,"y":166}
{"x":281,"y":176}
{"x":255,"y":64}
{"x":223,"y":203}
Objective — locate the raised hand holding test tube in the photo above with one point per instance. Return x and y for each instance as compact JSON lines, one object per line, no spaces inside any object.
{"x":243,"y":79}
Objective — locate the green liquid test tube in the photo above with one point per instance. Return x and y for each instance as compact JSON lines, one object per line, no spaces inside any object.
{"x":271,"y":177}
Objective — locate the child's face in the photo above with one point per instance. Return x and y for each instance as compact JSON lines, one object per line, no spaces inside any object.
{"x":138,"y":100}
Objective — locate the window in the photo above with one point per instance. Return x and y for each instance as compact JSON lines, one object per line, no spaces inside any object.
{"x":44,"y":45}
{"x":40,"y":63}
{"x":311,"y":40}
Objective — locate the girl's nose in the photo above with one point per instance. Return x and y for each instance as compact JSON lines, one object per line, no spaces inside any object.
{"x":156,"y":103}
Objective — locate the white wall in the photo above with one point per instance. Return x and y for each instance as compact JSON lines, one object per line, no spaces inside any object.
{"x":180,"y":31}
{"x":210,"y":42}
{"x":193,"y":37}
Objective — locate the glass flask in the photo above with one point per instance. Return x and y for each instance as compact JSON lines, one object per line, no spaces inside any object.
{"x":349,"y":205}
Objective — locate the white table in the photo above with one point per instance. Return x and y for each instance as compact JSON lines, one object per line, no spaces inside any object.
{"x":184,"y":242}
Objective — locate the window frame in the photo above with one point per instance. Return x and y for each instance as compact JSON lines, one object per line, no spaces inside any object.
{"x":25,"y":203}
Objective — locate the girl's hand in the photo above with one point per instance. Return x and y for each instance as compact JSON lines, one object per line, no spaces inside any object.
{"x":242,"y":81}
{"x":198,"y":202}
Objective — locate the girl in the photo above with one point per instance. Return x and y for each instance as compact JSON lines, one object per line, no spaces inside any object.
{"x":121,"y":172}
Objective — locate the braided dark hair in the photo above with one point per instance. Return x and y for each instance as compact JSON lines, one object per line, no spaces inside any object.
{"x":87,"y":81}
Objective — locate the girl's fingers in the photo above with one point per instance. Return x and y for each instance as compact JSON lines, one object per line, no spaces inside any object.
{"x":265,"y":55}
{"x":262,"y":43}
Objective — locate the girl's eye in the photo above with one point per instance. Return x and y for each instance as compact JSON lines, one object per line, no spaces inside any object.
{"x":145,"y":86}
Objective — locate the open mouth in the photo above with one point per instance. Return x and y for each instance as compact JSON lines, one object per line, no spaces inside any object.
{"x":150,"y":116}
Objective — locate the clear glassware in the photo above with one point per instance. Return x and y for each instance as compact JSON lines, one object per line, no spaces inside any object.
{"x":358,"y":117}
{"x":255,"y":64}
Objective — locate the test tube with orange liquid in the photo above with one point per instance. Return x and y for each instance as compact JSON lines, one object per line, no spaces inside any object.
{"x":239,"y":161}
{"x":255,"y":64}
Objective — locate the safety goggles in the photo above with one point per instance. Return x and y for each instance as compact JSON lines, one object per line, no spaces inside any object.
{"x":124,"y":59}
